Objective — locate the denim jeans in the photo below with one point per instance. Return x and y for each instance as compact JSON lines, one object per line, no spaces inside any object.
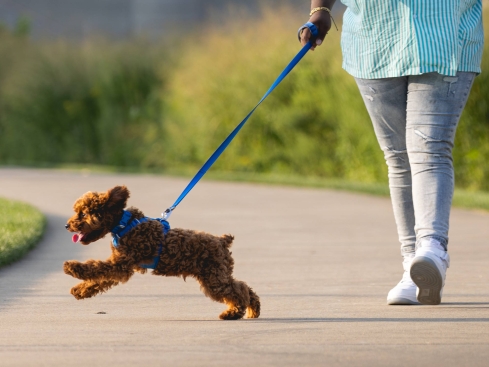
{"x":415,"y":119}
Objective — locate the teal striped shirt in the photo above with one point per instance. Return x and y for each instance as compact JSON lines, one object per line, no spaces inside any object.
{"x":392,"y":38}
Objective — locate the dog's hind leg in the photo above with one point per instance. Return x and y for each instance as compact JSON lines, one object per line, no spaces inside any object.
{"x":233,"y":293}
{"x":253,"y":310}
{"x":237,"y":300}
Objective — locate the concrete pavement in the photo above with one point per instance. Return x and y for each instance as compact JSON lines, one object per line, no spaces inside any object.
{"x":321,"y":261}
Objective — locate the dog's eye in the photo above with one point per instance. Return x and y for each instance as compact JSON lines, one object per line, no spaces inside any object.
{"x":82,"y":215}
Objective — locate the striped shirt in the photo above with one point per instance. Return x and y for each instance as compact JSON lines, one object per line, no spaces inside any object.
{"x":392,"y":38}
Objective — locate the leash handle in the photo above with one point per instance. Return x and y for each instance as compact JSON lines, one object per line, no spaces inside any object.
{"x":312,"y":27}
{"x":208,"y":164}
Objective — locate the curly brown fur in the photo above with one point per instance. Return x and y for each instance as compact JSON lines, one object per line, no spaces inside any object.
{"x":185,"y":253}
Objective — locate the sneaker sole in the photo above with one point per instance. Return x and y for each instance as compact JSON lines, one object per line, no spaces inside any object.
{"x":427,"y":277}
{"x":401,"y":301}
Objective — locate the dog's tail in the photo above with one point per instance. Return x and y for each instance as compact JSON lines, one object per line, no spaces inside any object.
{"x":227,"y":240}
{"x":253,"y":310}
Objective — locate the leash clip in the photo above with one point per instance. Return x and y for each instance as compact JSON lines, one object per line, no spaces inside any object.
{"x":166,"y":214}
{"x":115,"y":239}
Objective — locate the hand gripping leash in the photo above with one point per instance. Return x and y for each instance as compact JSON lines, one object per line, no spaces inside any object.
{"x":166,"y":214}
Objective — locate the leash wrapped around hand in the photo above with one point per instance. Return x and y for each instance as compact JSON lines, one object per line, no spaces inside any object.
{"x":166,"y":214}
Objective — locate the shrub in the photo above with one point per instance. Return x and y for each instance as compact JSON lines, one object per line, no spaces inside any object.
{"x":134,"y":105}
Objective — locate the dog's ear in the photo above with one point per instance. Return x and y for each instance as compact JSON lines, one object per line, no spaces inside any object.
{"x":118,"y":197}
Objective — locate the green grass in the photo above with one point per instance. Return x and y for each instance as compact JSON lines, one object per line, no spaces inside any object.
{"x":471,"y":199}
{"x":21,"y":228}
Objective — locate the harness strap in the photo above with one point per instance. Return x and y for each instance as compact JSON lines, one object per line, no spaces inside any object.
{"x":166,"y":214}
{"x":124,"y":227}
{"x":121,"y":229}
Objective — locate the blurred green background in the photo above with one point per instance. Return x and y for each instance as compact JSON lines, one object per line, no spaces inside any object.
{"x":165,"y":106}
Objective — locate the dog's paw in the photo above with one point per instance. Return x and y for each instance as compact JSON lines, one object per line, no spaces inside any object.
{"x":232,"y":314}
{"x":73,"y":268}
{"x":82,"y":291}
{"x":78,"y":292}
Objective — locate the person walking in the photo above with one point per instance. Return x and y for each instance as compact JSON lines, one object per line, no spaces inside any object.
{"x":414,"y":62}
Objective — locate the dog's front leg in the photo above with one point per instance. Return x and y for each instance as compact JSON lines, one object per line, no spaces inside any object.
{"x":96,"y":270}
{"x":89,"y":289}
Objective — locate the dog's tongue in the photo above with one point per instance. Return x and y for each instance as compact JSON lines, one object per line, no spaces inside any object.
{"x":77,"y":237}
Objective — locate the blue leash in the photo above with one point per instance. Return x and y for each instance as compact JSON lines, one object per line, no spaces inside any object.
{"x":166,"y":214}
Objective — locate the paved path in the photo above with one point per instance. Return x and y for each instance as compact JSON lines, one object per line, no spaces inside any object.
{"x":321,"y":261}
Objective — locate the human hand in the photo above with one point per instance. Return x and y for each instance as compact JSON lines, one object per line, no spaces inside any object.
{"x":322,"y":20}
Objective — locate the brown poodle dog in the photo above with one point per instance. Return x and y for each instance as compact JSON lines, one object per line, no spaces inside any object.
{"x":177,"y":252}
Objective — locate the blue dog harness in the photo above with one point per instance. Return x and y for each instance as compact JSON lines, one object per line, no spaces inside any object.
{"x":125,"y":226}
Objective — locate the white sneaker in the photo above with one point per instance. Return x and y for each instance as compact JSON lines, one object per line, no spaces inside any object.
{"x":404,"y":293}
{"x":428,"y":271}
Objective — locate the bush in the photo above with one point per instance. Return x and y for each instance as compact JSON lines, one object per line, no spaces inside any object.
{"x":133,"y":105}
{"x":94,"y":103}
{"x":314,"y":123}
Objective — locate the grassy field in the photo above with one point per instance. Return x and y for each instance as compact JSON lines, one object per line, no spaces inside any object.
{"x":21,"y":228}
{"x":136,"y":106}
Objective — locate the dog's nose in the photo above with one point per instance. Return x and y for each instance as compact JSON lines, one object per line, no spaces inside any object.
{"x":67,"y":225}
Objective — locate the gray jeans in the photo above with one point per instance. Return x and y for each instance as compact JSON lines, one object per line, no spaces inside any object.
{"x":415,"y":119}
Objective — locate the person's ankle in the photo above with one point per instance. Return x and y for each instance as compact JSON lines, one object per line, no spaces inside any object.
{"x":431,"y":242}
